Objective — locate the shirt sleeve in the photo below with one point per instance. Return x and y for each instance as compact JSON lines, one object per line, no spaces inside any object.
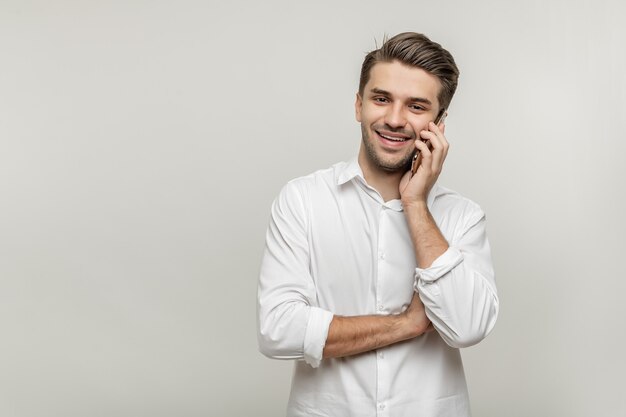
{"x":459,"y":290}
{"x":290,"y":325}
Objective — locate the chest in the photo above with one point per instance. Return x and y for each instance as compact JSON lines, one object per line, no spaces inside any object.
{"x":362,"y":258}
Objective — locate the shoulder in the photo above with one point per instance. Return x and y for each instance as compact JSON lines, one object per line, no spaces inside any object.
{"x":323,"y":180}
{"x":299,"y":190}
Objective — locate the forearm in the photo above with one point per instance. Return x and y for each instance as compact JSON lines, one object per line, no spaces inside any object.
{"x":458,"y":290}
{"x":358,"y":334}
{"x":428,"y":241}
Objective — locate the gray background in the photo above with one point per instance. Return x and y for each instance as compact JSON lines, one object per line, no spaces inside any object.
{"x":142,"y":143}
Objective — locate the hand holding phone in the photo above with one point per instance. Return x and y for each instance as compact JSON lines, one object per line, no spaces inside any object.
{"x":417,"y":158}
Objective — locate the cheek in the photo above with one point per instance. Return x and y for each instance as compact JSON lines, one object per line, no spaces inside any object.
{"x":370,"y":115}
{"x":420,"y":124}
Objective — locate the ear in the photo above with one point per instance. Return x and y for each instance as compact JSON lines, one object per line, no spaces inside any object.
{"x":358,"y":104}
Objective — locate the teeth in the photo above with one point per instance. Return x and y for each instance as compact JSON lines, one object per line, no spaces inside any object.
{"x":394,"y":139}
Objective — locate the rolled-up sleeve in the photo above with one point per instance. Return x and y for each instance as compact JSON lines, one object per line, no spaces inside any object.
{"x":458,"y":290}
{"x":290,"y":324}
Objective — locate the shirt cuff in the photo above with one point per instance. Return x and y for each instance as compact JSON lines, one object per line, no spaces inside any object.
{"x":442,"y":265}
{"x":316,"y":334}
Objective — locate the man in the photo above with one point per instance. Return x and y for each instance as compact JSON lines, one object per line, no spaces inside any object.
{"x":374,"y":276}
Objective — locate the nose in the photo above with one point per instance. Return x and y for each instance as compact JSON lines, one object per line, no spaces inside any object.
{"x":395,"y":116}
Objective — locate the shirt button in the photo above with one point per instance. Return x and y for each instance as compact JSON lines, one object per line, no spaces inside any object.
{"x":381,"y":406}
{"x":381,"y":355}
{"x":381,"y":255}
{"x":380,"y":307}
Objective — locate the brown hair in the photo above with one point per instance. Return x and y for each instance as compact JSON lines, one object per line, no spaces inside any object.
{"x":415,"y":50}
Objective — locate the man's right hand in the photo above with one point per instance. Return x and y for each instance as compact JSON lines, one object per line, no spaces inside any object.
{"x":415,"y":317}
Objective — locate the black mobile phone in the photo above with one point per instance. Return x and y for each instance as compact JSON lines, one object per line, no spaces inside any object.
{"x":417,"y":157}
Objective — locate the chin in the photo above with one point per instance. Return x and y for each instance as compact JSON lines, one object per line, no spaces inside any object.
{"x":402,"y":164}
{"x":393,"y":166}
{"x":377,"y":158}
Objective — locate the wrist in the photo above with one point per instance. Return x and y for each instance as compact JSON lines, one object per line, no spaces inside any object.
{"x":409,"y":327}
{"x":417,"y":203}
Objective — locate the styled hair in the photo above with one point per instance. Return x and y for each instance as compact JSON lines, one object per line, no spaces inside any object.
{"x":415,"y":50}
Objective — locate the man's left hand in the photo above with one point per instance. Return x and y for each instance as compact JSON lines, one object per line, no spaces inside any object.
{"x":416,"y":188}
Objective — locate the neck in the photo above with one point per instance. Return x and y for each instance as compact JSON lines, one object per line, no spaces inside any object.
{"x":387,"y":183}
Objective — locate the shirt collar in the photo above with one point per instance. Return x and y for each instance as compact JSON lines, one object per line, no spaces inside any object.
{"x":351,"y":170}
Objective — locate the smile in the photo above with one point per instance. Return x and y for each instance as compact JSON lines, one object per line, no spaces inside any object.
{"x":393,"y":138}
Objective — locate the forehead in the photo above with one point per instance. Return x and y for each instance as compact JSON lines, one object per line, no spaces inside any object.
{"x":403,"y":81}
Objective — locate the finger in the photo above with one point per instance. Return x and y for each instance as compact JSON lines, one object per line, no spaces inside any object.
{"x":432,"y":138}
{"x":441,"y":134}
{"x":440,"y":146}
{"x":424,"y":148}
{"x":435,"y":145}
{"x":422,"y":144}
{"x":438,"y":130}
{"x":426,"y":159}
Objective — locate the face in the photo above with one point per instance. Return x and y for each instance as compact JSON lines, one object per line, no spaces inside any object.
{"x":397,"y":103}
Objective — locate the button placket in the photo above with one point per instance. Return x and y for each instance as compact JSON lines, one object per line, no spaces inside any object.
{"x":381,"y":265}
{"x":383,"y":281}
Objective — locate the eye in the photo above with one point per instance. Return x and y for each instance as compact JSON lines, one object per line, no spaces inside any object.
{"x":380,"y":99}
{"x":417,"y":107}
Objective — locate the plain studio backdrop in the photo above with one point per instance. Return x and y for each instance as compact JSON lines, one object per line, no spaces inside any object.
{"x":142,"y":143}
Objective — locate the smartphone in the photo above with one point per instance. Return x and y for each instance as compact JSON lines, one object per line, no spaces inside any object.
{"x":417,"y":157}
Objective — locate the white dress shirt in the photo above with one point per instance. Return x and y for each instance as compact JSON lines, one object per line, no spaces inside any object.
{"x":335,"y":247}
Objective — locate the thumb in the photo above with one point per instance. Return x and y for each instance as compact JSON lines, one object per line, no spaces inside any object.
{"x":404,"y":181}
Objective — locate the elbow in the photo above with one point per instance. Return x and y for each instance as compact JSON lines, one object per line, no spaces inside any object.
{"x":280,"y":333}
{"x":465,"y":339}
{"x":274,"y":347}
{"x":268,"y":349}
{"x":267,"y":346}
{"x":471,"y":332}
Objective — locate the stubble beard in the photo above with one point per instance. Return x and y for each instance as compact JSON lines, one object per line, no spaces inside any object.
{"x":400,"y":165}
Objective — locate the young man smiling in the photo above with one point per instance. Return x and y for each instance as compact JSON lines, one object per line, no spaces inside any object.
{"x":373,"y":275}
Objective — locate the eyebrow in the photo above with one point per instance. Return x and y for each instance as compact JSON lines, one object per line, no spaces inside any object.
{"x":411,"y":99}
